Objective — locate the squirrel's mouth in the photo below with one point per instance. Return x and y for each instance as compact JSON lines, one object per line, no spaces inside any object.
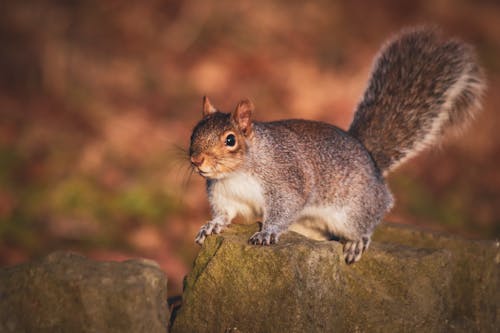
{"x":204,"y":173}
{"x":210,"y":174}
{"x":211,"y":169}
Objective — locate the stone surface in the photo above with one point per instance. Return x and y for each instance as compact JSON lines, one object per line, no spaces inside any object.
{"x":408,"y":281}
{"x":65,"y":292}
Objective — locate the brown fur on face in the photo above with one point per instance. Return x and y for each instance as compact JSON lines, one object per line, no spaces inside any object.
{"x":210,"y":153}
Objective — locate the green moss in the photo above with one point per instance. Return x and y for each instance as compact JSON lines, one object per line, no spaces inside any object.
{"x":300,"y":285}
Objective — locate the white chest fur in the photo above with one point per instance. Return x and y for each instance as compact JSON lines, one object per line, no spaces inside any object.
{"x":238,"y":194}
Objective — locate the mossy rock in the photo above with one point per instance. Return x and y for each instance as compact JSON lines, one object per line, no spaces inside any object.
{"x":407,"y":281}
{"x":65,"y":292}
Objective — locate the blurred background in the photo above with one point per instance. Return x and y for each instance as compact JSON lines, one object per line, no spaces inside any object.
{"x":98,"y":98}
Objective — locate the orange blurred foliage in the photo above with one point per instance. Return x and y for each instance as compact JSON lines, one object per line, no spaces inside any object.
{"x":98,"y":98}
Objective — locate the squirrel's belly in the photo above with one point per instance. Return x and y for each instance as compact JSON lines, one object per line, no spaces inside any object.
{"x":323,"y":222}
{"x":239,"y":194}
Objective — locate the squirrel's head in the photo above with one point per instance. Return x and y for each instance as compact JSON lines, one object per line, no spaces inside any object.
{"x":219,"y":140}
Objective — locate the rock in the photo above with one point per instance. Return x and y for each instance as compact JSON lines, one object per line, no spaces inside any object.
{"x":407,"y":281}
{"x":65,"y":292}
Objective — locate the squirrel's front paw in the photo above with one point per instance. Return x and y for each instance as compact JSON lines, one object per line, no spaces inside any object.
{"x":206,"y":230}
{"x":264,"y":238}
{"x":354,"y":249}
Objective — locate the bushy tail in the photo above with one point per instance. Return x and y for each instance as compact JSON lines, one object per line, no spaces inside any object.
{"x":421,"y":87}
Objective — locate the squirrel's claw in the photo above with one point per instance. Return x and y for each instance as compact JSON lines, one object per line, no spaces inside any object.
{"x":354,"y":249}
{"x":206,"y":230}
{"x":264,"y":238}
{"x":200,"y":237}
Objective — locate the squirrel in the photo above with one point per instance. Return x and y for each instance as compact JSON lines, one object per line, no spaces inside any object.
{"x":421,"y":88}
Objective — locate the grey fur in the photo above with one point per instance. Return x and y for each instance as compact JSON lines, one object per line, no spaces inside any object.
{"x":421,"y":86}
{"x":417,"y":78}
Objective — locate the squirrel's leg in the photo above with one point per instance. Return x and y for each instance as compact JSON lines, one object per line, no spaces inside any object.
{"x":222,"y":213}
{"x":214,"y":226}
{"x":275,"y":222}
{"x":356,"y":230}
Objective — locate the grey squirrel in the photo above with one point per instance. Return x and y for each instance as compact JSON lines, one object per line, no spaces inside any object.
{"x":421,"y":88}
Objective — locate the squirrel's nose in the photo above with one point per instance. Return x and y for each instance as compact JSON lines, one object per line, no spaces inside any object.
{"x":197,"y":160}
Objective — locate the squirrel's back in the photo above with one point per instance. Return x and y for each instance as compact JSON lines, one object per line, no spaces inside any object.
{"x":421,"y":87}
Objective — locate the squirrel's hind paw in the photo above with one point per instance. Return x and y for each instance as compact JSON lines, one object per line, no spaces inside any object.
{"x":264,"y":238}
{"x":354,"y":249}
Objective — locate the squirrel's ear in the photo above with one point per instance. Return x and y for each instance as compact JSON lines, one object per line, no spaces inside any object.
{"x":242,"y":116}
{"x":208,"y":108}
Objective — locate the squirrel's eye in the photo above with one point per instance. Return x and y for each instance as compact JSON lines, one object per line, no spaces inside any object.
{"x":230,"y":140}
